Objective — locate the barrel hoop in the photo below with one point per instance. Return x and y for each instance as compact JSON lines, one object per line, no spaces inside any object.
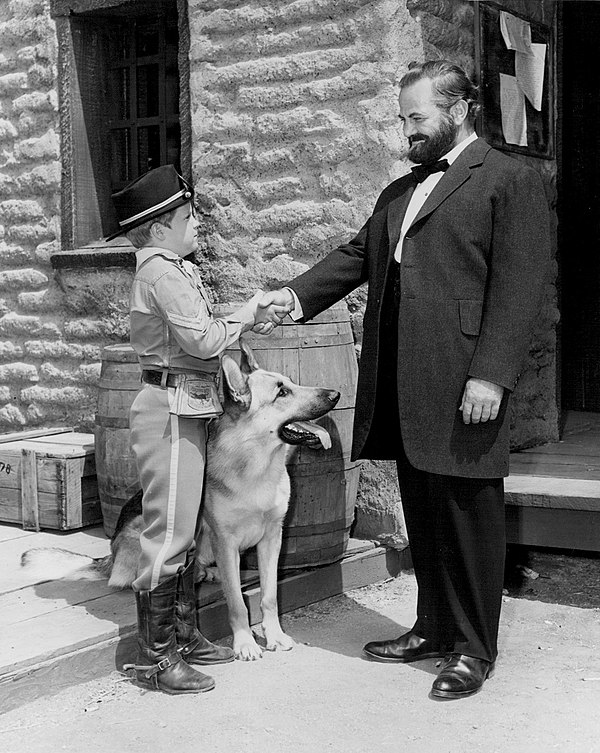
{"x":329,"y":527}
{"x":324,"y":468}
{"x":121,"y":386}
{"x":112,"y":422}
{"x":303,"y":342}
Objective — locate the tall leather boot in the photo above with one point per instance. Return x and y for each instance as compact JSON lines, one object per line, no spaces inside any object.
{"x":159,"y":664}
{"x":193,"y":646}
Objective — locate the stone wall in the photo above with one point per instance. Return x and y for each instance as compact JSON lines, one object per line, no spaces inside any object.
{"x":48,"y":372}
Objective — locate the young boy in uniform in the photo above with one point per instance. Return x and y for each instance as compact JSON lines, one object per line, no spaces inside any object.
{"x":177,"y":342}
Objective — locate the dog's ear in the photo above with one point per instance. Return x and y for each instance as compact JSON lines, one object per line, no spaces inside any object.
{"x":248,"y":364}
{"x":235,"y":383}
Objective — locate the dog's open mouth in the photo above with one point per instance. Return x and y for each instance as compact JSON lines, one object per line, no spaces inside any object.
{"x":305,"y":432}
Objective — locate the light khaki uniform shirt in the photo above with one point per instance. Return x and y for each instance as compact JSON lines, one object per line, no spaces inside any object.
{"x":172,"y":326}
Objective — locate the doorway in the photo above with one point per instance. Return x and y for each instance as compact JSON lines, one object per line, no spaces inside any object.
{"x":579,"y":206}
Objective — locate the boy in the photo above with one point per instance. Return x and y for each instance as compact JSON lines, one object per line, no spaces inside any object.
{"x":178,"y":342}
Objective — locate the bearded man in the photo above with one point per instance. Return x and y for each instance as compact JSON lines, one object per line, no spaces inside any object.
{"x":455,"y":255}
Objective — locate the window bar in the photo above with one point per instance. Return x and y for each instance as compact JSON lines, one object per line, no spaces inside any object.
{"x":133,"y":131}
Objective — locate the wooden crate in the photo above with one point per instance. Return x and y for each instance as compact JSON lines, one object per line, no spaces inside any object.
{"x":49,"y":481}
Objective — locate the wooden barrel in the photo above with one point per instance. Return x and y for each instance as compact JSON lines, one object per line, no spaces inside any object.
{"x":115,"y":465}
{"x":324,"y":483}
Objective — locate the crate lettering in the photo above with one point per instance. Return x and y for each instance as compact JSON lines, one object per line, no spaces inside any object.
{"x":5,"y":468}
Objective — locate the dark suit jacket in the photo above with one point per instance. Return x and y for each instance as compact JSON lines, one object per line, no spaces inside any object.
{"x":473,"y":265}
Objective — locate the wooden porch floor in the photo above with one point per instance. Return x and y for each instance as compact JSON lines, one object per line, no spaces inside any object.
{"x":59,"y":633}
{"x":553,"y":491}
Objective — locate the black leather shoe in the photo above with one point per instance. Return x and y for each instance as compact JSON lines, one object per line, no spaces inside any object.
{"x":408,"y":647}
{"x":461,"y":676}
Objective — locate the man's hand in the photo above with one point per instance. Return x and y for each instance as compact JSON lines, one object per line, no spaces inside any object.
{"x":272,"y":310}
{"x":481,"y":401}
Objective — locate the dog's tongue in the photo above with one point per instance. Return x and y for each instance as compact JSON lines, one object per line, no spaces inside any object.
{"x":319,"y":431}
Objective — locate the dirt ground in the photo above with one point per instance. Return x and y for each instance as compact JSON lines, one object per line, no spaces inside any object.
{"x":324,"y":697}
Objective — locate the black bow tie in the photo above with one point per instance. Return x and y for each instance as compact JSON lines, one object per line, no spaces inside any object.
{"x":424,"y":171}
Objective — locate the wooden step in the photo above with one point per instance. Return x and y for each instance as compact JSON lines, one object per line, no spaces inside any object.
{"x":58,"y":633}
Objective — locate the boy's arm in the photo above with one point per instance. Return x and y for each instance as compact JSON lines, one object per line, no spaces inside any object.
{"x":196,"y":331}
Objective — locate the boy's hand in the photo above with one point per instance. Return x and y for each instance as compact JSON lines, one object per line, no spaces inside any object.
{"x":272,"y":310}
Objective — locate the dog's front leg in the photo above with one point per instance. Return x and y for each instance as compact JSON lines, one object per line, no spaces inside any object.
{"x":268,"y":549}
{"x":228,"y":562}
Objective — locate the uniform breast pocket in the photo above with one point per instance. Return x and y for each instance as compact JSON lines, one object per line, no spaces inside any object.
{"x":470,"y":313}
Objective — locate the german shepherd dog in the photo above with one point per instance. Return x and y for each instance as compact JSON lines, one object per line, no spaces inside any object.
{"x":246,"y":496}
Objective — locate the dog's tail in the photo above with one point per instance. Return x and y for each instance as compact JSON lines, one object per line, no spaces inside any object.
{"x":56,"y":564}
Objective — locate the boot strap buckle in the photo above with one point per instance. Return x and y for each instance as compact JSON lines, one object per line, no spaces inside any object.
{"x":189,"y":647}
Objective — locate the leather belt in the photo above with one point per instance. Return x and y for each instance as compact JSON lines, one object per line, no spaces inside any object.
{"x":156,"y":378}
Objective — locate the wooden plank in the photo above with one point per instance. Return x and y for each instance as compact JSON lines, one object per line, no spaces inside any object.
{"x":553,"y":467}
{"x":541,"y":491}
{"x":92,"y":542}
{"x":73,"y":627}
{"x":29,"y":493}
{"x":49,"y":677}
{"x":81,"y":440}
{"x":555,"y":528}
{"x":578,"y":447}
{"x":46,"y":470}
{"x":23,"y":604}
{"x":309,"y":586}
{"x":32,"y":433}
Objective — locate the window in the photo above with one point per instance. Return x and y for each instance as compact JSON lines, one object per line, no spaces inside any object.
{"x":120,"y":105}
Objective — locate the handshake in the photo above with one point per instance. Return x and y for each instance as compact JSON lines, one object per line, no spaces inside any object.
{"x":272,"y":309}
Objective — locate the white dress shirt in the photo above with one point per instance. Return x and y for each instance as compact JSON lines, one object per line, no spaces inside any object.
{"x":423,"y":190}
{"x":417,"y":200}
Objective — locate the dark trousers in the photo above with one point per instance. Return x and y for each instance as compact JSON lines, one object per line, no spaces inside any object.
{"x":455,"y":525}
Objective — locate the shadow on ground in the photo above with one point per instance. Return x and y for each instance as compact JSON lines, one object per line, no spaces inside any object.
{"x":553,"y":576}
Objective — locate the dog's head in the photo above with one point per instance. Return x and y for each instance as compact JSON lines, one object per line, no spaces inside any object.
{"x":272,"y":401}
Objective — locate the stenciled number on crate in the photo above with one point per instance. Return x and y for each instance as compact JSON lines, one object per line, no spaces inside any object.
{"x":5,"y":468}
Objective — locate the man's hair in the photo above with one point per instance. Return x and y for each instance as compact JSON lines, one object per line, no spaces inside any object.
{"x":450,"y":84}
{"x":141,"y":236}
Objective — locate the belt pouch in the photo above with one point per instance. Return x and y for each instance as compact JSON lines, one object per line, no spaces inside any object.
{"x":195,"y":396}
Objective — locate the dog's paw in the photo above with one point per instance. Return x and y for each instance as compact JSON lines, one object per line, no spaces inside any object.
{"x":246,"y":648}
{"x":279,"y":641}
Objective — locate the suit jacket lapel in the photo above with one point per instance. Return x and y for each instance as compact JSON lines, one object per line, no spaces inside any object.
{"x":457,"y":174}
{"x":395,"y":215}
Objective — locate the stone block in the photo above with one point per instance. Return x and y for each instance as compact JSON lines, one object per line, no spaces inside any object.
{"x":22,"y":278}
{"x":11,"y":255}
{"x":31,"y":234}
{"x":21,"y":210}
{"x":42,"y":76}
{"x":11,"y":83}
{"x":36,"y":102}
{"x":61,"y":349}
{"x":7,"y":131}
{"x":13,"y":323}
{"x":46,"y":147}
{"x":11,"y":417}
{"x":10,"y":349}
{"x":41,"y":180}
{"x":18,"y":372}
{"x":62,"y":396}
{"x":41,"y":301}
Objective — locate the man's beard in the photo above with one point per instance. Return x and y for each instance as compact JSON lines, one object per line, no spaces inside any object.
{"x":425,"y":149}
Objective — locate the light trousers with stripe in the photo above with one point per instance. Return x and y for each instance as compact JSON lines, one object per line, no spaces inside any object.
{"x":170,"y":455}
